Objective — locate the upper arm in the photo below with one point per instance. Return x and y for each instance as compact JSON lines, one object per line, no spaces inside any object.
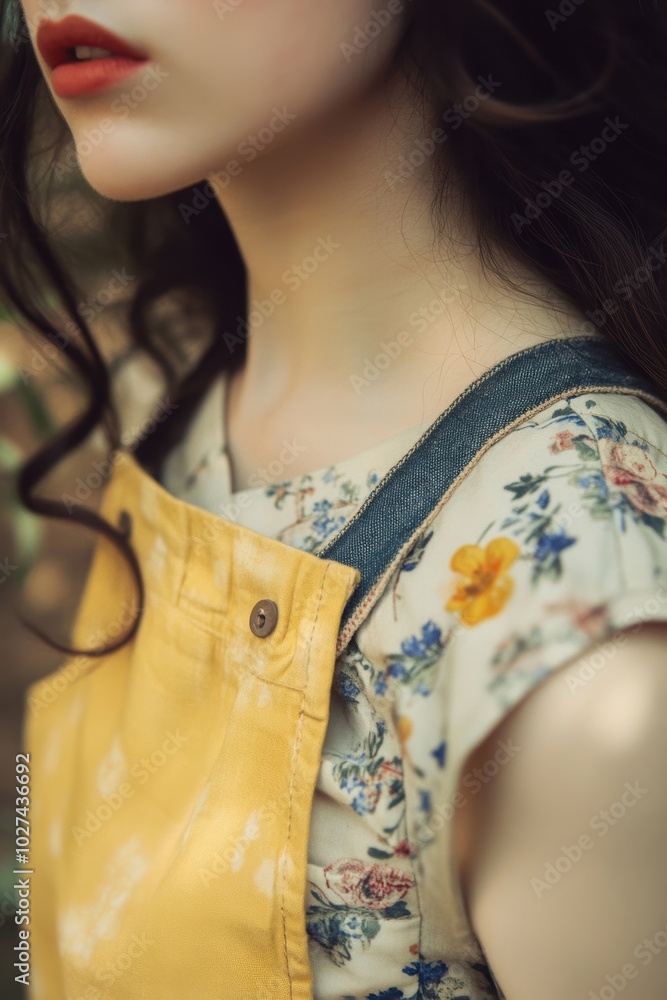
{"x":562,"y":854}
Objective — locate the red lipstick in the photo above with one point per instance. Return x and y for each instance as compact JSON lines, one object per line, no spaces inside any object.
{"x":75,"y":77}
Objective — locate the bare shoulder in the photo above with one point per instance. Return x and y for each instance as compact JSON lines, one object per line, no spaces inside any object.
{"x":562,"y":854}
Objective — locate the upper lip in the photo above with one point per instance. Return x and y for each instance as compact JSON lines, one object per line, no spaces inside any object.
{"x":56,"y":39}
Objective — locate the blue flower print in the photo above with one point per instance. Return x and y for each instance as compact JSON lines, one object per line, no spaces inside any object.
{"x":396,"y":670}
{"x":380,"y":684}
{"x":552,"y":545}
{"x":325,"y":524}
{"x":418,"y":658}
{"x":437,"y":981}
{"x":348,"y":687}
{"x":543,"y":499}
{"x":368,"y":776}
{"x":428,"y":972}
{"x":415,"y":646}
{"x":593,"y":480}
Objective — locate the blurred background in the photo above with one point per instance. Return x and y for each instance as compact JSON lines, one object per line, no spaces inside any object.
{"x":43,"y":563}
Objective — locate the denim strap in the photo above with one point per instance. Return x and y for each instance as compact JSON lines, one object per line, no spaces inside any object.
{"x":522,"y":384}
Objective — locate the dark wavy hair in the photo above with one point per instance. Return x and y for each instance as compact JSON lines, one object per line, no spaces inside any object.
{"x":566,"y":75}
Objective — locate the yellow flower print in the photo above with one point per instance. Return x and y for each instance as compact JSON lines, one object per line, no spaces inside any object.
{"x":404,"y":730}
{"x":487,"y":585}
{"x":404,"y":727}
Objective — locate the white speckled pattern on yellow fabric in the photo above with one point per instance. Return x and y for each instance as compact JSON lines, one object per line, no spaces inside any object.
{"x":172,"y":783}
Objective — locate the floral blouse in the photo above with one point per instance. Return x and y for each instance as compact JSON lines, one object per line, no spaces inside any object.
{"x":554,"y":539}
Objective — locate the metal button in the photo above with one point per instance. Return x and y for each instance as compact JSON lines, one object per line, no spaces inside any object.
{"x":263,"y":618}
{"x":124,"y":522}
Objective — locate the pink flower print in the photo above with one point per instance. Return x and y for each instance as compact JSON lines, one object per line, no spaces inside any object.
{"x":404,"y":850}
{"x":630,"y":468}
{"x":375,"y":886}
{"x":625,"y":463}
{"x":562,"y":442}
{"x":592,"y":620}
{"x":651,"y":499}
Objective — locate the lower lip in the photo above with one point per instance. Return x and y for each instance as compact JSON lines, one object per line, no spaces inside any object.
{"x":77,"y":79}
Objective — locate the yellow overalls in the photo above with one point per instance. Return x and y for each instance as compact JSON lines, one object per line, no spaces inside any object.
{"x":172,"y":781}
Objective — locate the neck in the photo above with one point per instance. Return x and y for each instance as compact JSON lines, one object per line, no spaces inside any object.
{"x":343,"y":261}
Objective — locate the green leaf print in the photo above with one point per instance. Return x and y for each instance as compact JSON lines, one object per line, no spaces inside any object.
{"x":526,"y":484}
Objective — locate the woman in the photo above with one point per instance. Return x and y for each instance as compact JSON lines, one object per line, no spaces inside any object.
{"x":386,"y":723}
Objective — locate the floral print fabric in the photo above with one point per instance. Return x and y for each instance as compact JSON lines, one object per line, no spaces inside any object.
{"x":555,"y":538}
{"x":304,"y":512}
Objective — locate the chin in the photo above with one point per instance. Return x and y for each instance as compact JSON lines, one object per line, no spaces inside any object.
{"x":120,"y":175}
{"x":127,"y":185}
{"x":122,"y":190}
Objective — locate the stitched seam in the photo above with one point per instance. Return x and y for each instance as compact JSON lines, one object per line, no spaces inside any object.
{"x":184,"y":560}
{"x":295,"y":760}
{"x":380,"y":583}
{"x":441,"y":418}
{"x":160,"y":601}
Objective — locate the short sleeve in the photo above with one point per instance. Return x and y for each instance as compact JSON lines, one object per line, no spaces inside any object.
{"x":577,"y":550}
{"x":553,"y":541}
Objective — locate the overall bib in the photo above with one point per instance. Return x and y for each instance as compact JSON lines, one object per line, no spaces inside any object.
{"x":173,"y":780}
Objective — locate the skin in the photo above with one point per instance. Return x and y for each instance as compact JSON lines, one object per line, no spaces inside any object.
{"x":607,"y":914}
{"x":324,"y":177}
